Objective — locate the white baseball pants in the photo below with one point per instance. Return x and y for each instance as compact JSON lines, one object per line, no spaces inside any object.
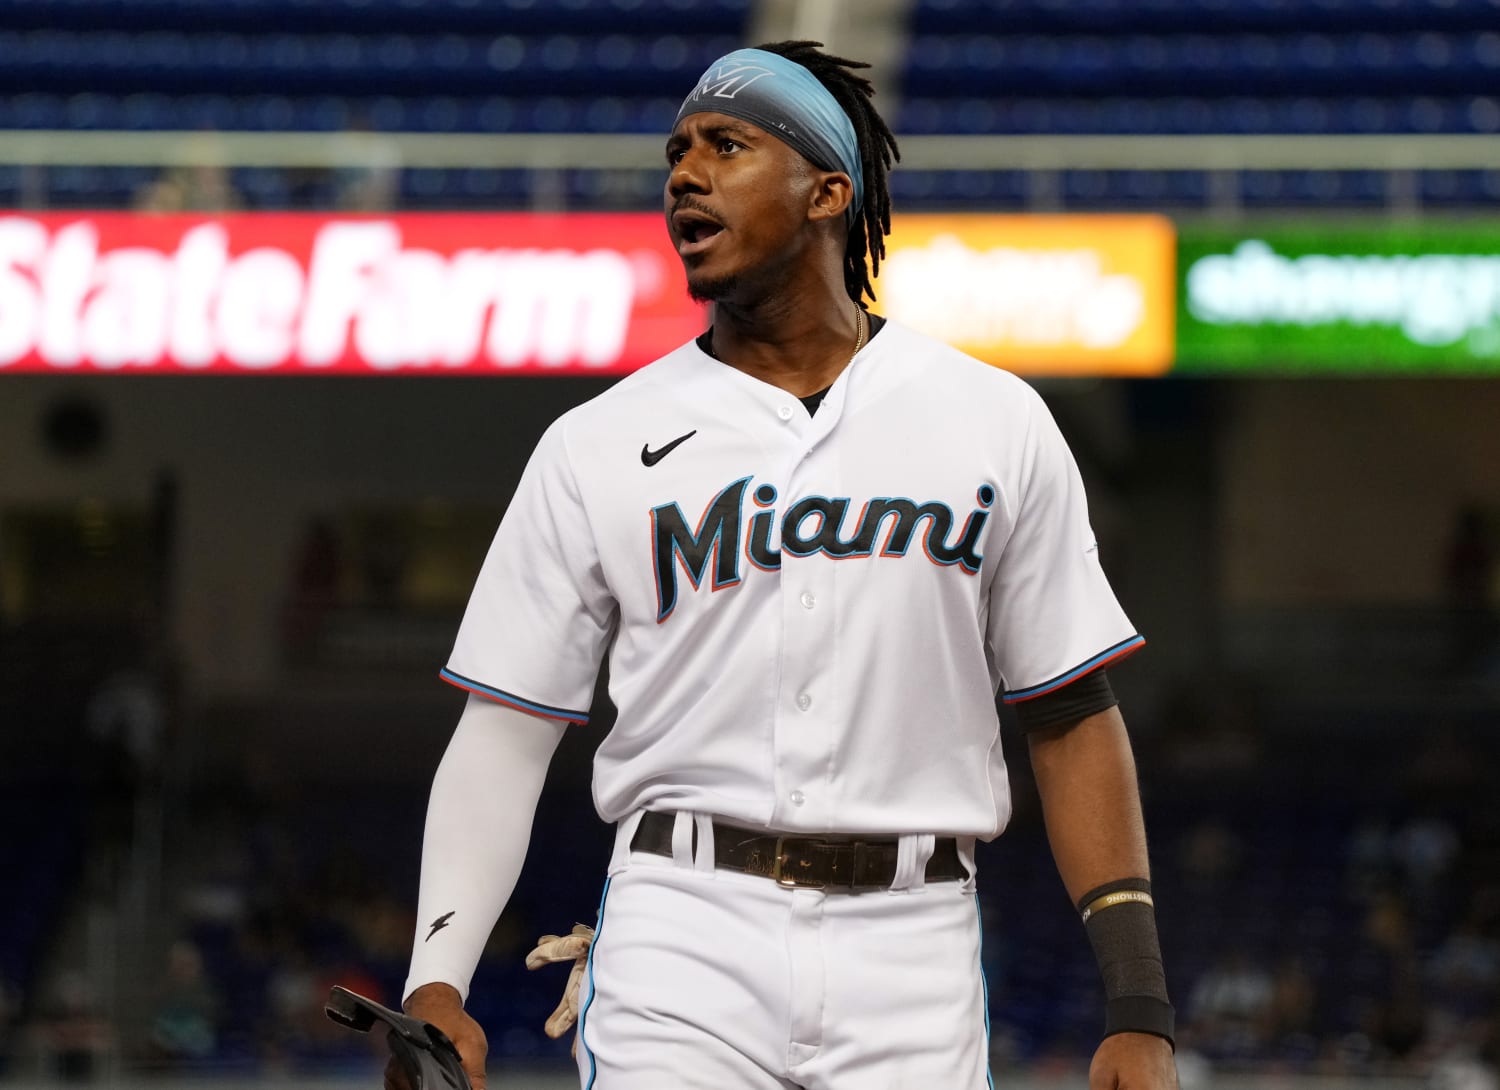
{"x":704,"y":978}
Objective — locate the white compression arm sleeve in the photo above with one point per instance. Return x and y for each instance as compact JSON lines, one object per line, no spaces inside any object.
{"x":479,"y":819}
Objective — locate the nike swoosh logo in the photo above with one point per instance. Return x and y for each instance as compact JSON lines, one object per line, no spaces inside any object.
{"x":650,"y":457}
{"x":438,"y":924}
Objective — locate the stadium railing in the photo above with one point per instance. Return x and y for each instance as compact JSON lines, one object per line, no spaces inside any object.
{"x":1405,"y":174}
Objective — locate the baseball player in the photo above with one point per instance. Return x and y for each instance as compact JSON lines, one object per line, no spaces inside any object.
{"x":814,"y":545}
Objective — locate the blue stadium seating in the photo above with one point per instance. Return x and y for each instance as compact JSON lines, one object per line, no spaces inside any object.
{"x":1130,"y":67}
{"x":179,"y":63}
{"x":916,"y":189}
{"x":1130,"y":115}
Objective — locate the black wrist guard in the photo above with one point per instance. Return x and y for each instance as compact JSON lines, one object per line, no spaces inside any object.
{"x":1120,"y":920}
{"x":1141,"y":1014}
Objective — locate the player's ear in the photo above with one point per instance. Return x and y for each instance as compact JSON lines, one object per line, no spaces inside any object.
{"x":831,"y":193}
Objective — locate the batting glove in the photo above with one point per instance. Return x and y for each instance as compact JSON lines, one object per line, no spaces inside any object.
{"x":551,"y":949}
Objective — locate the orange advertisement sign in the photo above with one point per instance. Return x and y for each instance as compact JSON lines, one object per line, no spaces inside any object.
{"x":1037,"y":294}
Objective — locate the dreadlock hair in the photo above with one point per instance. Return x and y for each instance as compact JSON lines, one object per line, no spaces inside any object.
{"x":877,"y":151}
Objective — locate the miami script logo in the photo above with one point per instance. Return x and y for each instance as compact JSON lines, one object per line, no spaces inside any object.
{"x":886,"y":526}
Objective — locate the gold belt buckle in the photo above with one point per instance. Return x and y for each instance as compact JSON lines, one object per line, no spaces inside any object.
{"x":782,"y":876}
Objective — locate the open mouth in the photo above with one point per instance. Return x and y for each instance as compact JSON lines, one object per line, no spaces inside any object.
{"x":695,"y":232}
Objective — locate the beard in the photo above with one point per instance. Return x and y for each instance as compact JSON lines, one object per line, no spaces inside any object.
{"x":710,"y":289}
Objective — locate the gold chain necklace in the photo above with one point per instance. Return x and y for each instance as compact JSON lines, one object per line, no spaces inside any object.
{"x":862,"y":323}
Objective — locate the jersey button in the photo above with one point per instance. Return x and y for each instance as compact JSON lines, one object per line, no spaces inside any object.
{"x":804,"y":701}
{"x":798,"y":798}
{"x":785,"y":412}
{"x":808,"y":601}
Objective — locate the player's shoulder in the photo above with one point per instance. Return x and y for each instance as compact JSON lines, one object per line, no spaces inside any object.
{"x":636,"y":396}
{"x":952,"y":375}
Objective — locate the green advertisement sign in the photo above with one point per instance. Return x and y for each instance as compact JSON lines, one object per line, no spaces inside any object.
{"x":1419,"y":299}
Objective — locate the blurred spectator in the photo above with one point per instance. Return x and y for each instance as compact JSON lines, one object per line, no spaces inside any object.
{"x":1463,"y":1073}
{"x":1424,"y":848}
{"x":184,"y":1025}
{"x":1383,"y":983}
{"x":1387,"y":931}
{"x":293,"y":1002}
{"x":162,"y":194}
{"x":1464,"y":970}
{"x":127,"y":709}
{"x":1229,"y":1006}
{"x":1399,"y":1024}
{"x":75,"y":1037}
{"x":1291,"y":1013}
{"x":1194,"y":1071}
{"x":1417,"y":858}
{"x":203,"y":188}
{"x":373,"y":184}
{"x":126,"y":721}
{"x":201,"y":184}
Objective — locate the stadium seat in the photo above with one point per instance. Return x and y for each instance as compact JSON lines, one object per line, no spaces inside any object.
{"x":971,"y":67}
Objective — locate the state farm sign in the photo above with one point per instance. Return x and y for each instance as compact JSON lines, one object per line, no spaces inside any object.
{"x":454,"y":293}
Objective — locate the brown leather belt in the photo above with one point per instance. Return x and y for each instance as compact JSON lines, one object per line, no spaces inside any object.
{"x":840,"y":863}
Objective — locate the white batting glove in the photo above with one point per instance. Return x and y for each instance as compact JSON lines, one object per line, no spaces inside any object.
{"x":551,"y":949}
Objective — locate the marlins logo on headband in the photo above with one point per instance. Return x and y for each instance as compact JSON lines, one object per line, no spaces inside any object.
{"x":787,"y":101}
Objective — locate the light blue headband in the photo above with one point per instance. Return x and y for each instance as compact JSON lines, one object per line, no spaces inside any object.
{"x":787,"y":101}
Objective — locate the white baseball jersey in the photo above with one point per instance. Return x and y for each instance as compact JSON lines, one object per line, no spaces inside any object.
{"x":807,"y":617}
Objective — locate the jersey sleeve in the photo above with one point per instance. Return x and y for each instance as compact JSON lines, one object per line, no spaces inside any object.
{"x":540,"y":615}
{"x":1052,"y":615}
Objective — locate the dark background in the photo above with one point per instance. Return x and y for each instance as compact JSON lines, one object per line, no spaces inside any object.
{"x":224,"y":600}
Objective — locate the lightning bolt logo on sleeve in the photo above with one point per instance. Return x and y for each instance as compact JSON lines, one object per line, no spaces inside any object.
{"x":438,"y":924}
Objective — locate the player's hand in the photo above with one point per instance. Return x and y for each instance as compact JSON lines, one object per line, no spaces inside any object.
{"x":1133,"y":1061}
{"x":441,"y":1005}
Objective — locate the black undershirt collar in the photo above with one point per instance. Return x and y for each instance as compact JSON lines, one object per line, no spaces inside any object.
{"x":705,"y":341}
{"x":812,"y":401}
